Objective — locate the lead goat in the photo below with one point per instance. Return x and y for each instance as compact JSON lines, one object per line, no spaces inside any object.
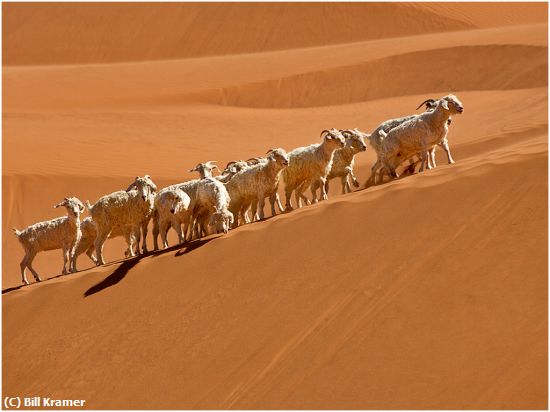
{"x":444,"y":143}
{"x":377,"y":137}
{"x":416,"y":135}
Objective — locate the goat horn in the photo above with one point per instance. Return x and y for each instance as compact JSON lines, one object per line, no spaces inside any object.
{"x":425,"y":102}
{"x":324,"y":131}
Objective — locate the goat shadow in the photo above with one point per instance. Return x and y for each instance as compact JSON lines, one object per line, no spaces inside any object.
{"x":14,"y":288}
{"x":115,"y":277}
{"x":121,"y":271}
{"x":7,"y":290}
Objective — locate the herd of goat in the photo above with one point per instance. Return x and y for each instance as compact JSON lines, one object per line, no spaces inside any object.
{"x":215,"y":204}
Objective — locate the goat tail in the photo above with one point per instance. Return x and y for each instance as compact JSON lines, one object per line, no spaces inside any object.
{"x":88,"y":205}
{"x":17,"y":232}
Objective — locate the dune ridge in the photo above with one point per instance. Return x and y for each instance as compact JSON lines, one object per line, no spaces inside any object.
{"x":124,"y":85}
{"x":458,"y":68}
{"x":122,"y":32}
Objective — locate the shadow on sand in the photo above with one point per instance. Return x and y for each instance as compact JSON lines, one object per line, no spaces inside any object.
{"x":121,"y":271}
{"x":115,"y":277}
{"x":192,"y":246}
{"x":7,"y":290}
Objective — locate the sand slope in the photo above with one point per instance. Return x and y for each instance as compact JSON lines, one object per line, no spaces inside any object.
{"x":428,"y":292}
{"x":347,"y":320}
{"x":121,"y":32}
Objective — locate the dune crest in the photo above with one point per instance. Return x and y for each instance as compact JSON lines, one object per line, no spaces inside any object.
{"x":457,"y":68}
{"x":131,"y":32}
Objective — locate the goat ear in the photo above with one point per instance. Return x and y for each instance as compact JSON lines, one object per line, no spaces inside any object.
{"x":445,"y":104}
{"x":81,"y":207}
{"x":63,"y":203}
{"x":132,"y":185}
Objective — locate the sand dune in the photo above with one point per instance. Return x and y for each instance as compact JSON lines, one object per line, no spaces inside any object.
{"x":322,"y":326}
{"x":121,"y":86}
{"x":484,"y":14}
{"x":35,"y":34}
{"x":458,"y":68}
{"x":121,"y":32}
{"x":427,"y":292}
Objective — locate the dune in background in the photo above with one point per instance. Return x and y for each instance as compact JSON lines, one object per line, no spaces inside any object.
{"x":427,"y":292}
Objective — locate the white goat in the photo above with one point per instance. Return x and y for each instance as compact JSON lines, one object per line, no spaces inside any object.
{"x":231,"y":169}
{"x":205,"y":169}
{"x":252,"y":185}
{"x":188,"y":217}
{"x":417,"y":135}
{"x":127,"y":210}
{"x":168,"y":197}
{"x":146,"y":218}
{"x":273,"y":194}
{"x":309,"y":164}
{"x":202,"y":211}
{"x":190,"y":189}
{"x":171,"y":210}
{"x":444,"y":143}
{"x":342,"y":163}
{"x":60,"y":233}
{"x":89,"y":234}
{"x":87,"y":240}
{"x":375,"y":139}
{"x":210,"y":208}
